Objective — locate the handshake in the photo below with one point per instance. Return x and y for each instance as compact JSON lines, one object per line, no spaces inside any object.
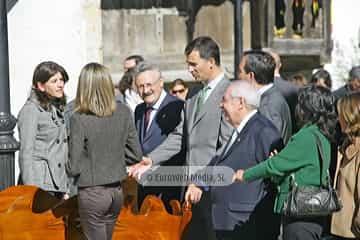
{"x":139,"y":168}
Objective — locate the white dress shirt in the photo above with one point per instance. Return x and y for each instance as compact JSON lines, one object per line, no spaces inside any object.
{"x":156,"y":107}
{"x":238,"y":130}
{"x":212,"y":84}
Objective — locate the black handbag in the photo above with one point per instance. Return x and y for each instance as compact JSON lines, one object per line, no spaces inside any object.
{"x":311,"y":201}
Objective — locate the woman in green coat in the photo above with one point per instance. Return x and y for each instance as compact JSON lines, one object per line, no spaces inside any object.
{"x":316,"y":115}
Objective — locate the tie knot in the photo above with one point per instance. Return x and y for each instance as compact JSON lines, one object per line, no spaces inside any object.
{"x":236,"y":133}
{"x":149,"y":109}
{"x":205,"y":89}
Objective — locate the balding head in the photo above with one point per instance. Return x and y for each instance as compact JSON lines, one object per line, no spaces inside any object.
{"x":239,"y":100}
{"x":243,"y":89}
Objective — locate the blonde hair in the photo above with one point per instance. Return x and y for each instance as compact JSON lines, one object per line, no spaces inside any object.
{"x":349,"y":108}
{"x":95,"y":91}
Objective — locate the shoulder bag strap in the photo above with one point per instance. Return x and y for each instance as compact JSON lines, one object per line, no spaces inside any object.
{"x":322,"y":157}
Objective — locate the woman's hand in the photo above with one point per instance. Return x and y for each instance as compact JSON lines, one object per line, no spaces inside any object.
{"x":273,"y":153}
{"x":238,"y":176}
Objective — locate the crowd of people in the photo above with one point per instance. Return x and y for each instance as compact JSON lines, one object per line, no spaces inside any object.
{"x":263,"y":127}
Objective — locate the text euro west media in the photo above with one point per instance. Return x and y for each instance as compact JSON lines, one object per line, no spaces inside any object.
{"x":204,"y":178}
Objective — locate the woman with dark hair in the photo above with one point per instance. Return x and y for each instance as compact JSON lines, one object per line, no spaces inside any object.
{"x":322,"y":78}
{"x":42,"y":131}
{"x":103,"y":139}
{"x":346,"y":223}
{"x":316,"y":114}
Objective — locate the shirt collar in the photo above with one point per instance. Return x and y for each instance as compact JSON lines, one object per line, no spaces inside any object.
{"x":265,"y":88}
{"x":245,"y":120}
{"x":160,"y":100}
{"x":212,"y":84}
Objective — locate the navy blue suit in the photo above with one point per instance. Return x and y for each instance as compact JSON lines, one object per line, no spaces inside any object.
{"x":165,"y":120}
{"x":240,"y":208}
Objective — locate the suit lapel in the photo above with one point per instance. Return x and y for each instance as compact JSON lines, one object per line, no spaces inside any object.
{"x":212,"y":101}
{"x":239,"y":138}
{"x":190,"y":110}
{"x":140,"y":123}
{"x":152,"y":126}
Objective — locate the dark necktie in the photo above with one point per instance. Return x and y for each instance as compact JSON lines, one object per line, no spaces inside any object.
{"x":147,"y":117}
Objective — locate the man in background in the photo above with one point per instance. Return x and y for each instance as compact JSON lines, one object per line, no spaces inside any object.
{"x":258,"y":68}
{"x":288,"y":89}
{"x":131,"y":61}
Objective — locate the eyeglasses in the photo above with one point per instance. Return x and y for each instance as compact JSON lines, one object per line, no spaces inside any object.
{"x":178,"y":91}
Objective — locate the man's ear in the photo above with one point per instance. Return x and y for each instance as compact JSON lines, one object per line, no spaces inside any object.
{"x":212,"y":62}
{"x":161,"y":82}
{"x":252,"y":76}
{"x":241,"y":103}
{"x":41,"y":86}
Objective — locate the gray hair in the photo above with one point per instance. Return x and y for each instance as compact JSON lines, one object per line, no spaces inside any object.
{"x":145,"y":66}
{"x":242,"y":88}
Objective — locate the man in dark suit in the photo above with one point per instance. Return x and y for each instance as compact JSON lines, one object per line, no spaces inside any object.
{"x":155,"y":118}
{"x":288,"y":89}
{"x":258,"y":67}
{"x":245,"y":211}
{"x":352,"y":86}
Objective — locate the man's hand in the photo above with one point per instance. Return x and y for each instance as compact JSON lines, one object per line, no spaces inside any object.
{"x":66,"y":196}
{"x":238,"y":176}
{"x":138,"y":169}
{"x":193,"y":194}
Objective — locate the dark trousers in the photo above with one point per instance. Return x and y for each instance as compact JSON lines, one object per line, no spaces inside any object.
{"x":280,"y":8}
{"x":200,"y":226}
{"x":303,"y":229}
{"x":298,"y":11}
{"x":99,"y":207}
{"x":242,"y":231}
{"x":263,"y":224}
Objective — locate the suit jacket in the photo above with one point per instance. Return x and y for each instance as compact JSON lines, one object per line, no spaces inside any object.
{"x":44,"y":148}
{"x":289,"y":92}
{"x":235,"y":203}
{"x":203,"y":135}
{"x":342,"y":91}
{"x":274,"y":107}
{"x":168,"y":116}
{"x":100,"y":147}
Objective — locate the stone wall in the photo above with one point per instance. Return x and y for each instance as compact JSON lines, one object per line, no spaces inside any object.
{"x":161,"y":35}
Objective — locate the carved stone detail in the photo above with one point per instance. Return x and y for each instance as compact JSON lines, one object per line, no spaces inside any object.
{"x":7,"y":122}
{"x":7,"y":142}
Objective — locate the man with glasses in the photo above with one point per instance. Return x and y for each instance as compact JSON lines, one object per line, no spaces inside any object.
{"x":155,"y":118}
